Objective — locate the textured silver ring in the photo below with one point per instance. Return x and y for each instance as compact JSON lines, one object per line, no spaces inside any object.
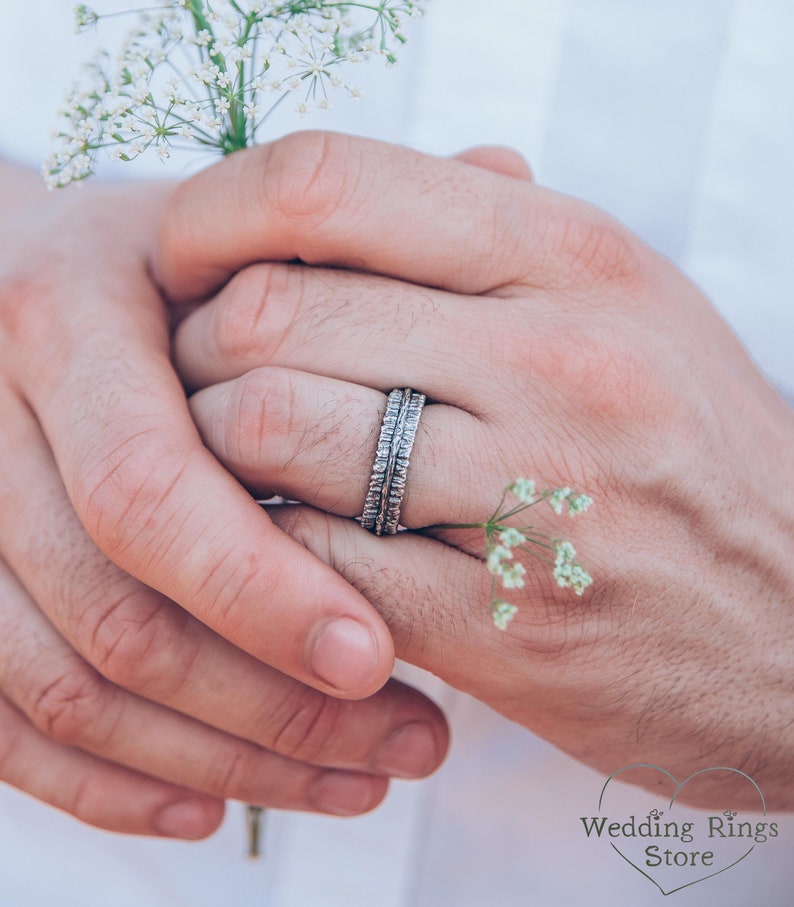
{"x":398,"y":429}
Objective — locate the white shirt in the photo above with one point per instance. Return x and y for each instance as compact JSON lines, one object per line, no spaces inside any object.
{"x":678,"y":118}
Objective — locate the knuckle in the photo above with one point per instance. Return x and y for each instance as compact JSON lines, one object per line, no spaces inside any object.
{"x":624,"y":394}
{"x":84,"y":802}
{"x":122,"y":488}
{"x":311,"y":529}
{"x":604,"y":376}
{"x":24,"y":311}
{"x":246,"y":327}
{"x":236,"y":774}
{"x":139,"y":642}
{"x":596,"y":250}
{"x":71,"y":709}
{"x":262,"y":408}
{"x":507,"y":226}
{"x":234,"y":579}
{"x":305,"y":726}
{"x":307,"y":177}
{"x":613,"y":377}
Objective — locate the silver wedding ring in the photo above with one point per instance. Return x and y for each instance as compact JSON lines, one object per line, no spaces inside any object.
{"x":390,"y":470}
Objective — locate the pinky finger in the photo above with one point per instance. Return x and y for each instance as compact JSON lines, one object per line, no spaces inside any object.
{"x":99,"y":793}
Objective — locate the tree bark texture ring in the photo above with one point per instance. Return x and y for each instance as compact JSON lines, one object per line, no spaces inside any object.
{"x":390,"y":469}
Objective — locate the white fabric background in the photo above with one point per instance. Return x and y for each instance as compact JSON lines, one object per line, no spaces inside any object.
{"x":677,"y":117}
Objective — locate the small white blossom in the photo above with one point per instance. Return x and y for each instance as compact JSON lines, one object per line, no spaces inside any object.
{"x":579,"y":504}
{"x":558,"y":498}
{"x":513,"y":576}
{"x":502,"y":613}
{"x":503,"y":541}
{"x":524,"y":490}
{"x":496,"y":557}
{"x":568,"y":573}
{"x":512,"y":538}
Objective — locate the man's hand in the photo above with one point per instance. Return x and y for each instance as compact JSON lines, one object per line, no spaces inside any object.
{"x":551,"y":343}
{"x":162,"y":644}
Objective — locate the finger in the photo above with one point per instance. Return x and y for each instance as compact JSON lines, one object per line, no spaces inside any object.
{"x":333,"y":199}
{"x":140,"y":640}
{"x":292,"y":316}
{"x":73,"y":705}
{"x":435,"y":599}
{"x":97,"y":792}
{"x":314,"y":439}
{"x":498,"y":159}
{"x":158,"y":505}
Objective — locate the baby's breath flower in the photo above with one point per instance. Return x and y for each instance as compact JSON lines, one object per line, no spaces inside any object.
{"x":523,"y":490}
{"x":568,"y":573}
{"x":195,"y":70}
{"x":495,"y":561}
{"x":502,"y":613}
{"x":579,"y":504}
{"x":557,"y":499}
{"x":512,"y":538}
{"x":513,"y":576}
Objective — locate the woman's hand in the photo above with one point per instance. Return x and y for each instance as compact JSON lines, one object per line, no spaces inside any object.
{"x":150,"y":613}
{"x":551,"y":343}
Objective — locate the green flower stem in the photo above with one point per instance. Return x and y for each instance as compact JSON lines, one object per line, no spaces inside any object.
{"x":456,"y":526}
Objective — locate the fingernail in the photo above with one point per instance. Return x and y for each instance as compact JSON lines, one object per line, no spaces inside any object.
{"x":410,"y":751}
{"x":344,"y":795}
{"x":184,"y":819}
{"x":344,"y":654}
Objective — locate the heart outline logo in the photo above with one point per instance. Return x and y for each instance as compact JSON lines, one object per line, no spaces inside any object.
{"x":679,"y":787}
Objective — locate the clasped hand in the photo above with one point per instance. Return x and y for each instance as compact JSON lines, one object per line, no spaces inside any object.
{"x":167,"y":644}
{"x":163,"y":646}
{"x":552,"y":344}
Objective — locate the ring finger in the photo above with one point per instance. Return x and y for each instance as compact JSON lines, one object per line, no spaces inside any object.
{"x":314,"y":439}
{"x":354,"y":327}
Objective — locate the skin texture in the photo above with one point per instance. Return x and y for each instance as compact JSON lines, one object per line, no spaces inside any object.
{"x":163,"y":645}
{"x":551,"y":343}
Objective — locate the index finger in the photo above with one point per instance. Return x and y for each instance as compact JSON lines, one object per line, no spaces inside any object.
{"x":342,"y":200}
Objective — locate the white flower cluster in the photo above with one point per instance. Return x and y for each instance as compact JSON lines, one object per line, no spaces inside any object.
{"x":210,"y":72}
{"x":502,"y":542}
{"x":502,"y":613}
{"x":568,"y":573}
{"x":524,"y":490}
